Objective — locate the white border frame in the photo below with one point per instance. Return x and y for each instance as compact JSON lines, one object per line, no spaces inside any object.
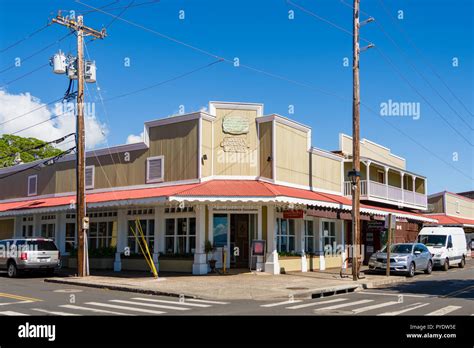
{"x":89,"y":187}
{"x":36,"y":185}
{"x":162,"y":178}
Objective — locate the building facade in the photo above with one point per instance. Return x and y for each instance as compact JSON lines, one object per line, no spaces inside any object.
{"x":229,"y":176}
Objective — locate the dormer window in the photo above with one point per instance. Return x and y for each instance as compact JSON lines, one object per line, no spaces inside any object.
{"x":90,"y":177}
{"x":155,"y":169}
{"x":32,"y":185}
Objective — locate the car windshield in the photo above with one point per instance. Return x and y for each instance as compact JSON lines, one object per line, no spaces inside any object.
{"x":42,"y":245}
{"x":432,"y":240}
{"x":399,"y":249}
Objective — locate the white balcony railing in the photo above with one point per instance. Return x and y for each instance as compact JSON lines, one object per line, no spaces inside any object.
{"x":389,"y":193}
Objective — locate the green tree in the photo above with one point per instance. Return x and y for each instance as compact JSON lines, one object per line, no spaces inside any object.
{"x":28,"y":149}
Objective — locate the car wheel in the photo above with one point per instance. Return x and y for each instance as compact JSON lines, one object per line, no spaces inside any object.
{"x":411,"y":270}
{"x":462,"y":263}
{"x":12,"y":270}
{"x":446,"y":265}
{"x":429,"y":268}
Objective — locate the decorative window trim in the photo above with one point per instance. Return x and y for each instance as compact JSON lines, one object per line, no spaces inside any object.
{"x":36,"y":185}
{"x":162,"y":174}
{"x":91,"y":186}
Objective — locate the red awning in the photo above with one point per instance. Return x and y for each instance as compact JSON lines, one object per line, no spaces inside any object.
{"x":451,"y":220}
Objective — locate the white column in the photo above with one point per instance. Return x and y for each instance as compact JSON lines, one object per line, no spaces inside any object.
{"x":271,"y":265}
{"x":60,"y":230}
{"x":200,"y":262}
{"x":386,"y":180}
{"x":343,"y":242}
{"x":414,"y":188}
{"x":159,"y":235}
{"x":36,"y":225}
{"x":260,"y":265}
{"x":322,"y":261}
{"x":17,"y":232}
{"x":403,"y":186}
{"x":368,"y":178}
{"x":304,"y":265}
{"x":122,"y":231}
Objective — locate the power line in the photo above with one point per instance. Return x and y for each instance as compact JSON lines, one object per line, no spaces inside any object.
{"x":29,"y":112}
{"x":25,"y":75}
{"x":30,"y":35}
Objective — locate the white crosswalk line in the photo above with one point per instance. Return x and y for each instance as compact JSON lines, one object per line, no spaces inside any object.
{"x":109,"y":305}
{"x":66,"y":314}
{"x":444,"y":310}
{"x":375,"y":306}
{"x":95,"y":310}
{"x":344,"y":305}
{"x":280,"y":303}
{"x":185,"y":303}
{"x":206,"y":301}
{"x":152,"y":305}
{"x":408,"y":309}
{"x":316,"y":303}
{"x":13,"y":303}
{"x":11,"y":313}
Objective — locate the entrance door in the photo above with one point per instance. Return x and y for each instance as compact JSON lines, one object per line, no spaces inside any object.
{"x":239,"y":237}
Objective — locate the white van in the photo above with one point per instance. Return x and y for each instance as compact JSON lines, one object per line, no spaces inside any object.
{"x":447,"y":245}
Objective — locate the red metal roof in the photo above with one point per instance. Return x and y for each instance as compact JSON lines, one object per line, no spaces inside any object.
{"x":445,"y":219}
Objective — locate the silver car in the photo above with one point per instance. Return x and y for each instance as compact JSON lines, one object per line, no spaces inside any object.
{"x":18,"y":255}
{"x":404,"y":257}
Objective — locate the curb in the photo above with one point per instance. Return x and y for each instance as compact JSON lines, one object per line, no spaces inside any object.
{"x":118,"y":288}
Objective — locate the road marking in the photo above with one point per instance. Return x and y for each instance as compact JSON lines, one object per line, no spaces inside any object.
{"x":93,"y":309}
{"x":172,"y":302}
{"x":280,"y":303}
{"x":316,"y":303}
{"x":18,"y":297}
{"x":375,"y":306}
{"x":10,"y":303}
{"x":445,"y":310}
{"x":459,"y":291}
{"x":152,"y":305}
{"x":206,"y":301}
{"x":344,"y":305}
{"x":124,"y":307}
{"x":392,"y":294}
{"x":55,"y":313}
{"x":68,"y":291}
{"x":413,"y":306}
{"x":11,"y":313}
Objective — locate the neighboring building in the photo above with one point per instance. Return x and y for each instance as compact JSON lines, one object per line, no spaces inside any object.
{"x":453,"y":209}
{"x":229,"y":176}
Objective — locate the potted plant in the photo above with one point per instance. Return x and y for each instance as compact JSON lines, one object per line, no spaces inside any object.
{"x":209,"y":249}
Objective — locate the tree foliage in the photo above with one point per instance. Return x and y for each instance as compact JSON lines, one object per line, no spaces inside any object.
{"x":29,"y":149}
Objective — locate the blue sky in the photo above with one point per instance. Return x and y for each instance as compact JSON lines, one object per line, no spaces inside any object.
{"x":262,"y":36}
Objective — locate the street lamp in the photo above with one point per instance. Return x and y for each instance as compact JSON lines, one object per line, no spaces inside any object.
{"x":353,"y":174}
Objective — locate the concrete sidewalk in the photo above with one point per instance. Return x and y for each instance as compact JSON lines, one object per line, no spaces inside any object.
{"x":233,"y":286}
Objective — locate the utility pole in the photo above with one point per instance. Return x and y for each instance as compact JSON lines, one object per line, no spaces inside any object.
{"x":355,"y":143}
{"x":81,"y":222}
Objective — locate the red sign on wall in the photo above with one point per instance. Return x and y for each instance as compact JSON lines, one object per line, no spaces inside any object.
{"x":293,"y":214}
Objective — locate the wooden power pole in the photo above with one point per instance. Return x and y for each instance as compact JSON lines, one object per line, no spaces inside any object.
{"x":81,"y":31}
{"x":355,"y":144}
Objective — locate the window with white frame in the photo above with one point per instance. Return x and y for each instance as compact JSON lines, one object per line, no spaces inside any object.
{"x":329,"y":233}
{"x":136,"y":228}
{"x":286,"y":235}
{"x":180,"y":235}
{"x":32,"y":185}
{"x":70,"y":235}
{"x":155,"y":169}
{"x":89,"y":177}
{"x":102,"y":234}
{"x":27,"y":226}
{"x":309,"y":236}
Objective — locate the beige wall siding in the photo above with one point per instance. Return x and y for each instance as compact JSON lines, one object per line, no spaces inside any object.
{"x":16,"y":185}
{"x":371,"y":150}
{"x":326,"y":173}
{"x":236,"y":163}
{"x":292,"y":155}
{"x":459,"y":206}
{"x":265,"y":135}
{"x":206,"y":143}
{"x":7,"y":228}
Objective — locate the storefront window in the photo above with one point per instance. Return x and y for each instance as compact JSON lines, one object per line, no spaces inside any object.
{"x":286,"y":235}
{"x":308,"y":237}
{"x":70,"y":236}
{"x":147,"y":226}
{"x":47,"y":230}
{"x":220,"y":224}
{"x":102,"y":234}
{"x":329,"y":233}
{"x":180,"y":235}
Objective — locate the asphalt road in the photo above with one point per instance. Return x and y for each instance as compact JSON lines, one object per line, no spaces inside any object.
{"x":441,"y":293}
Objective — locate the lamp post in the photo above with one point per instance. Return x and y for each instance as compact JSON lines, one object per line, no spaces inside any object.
{"x":354,"y":176}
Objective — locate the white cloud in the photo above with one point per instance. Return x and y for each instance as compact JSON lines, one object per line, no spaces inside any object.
{"x":13,"y":105}
{"x":132,"y":138}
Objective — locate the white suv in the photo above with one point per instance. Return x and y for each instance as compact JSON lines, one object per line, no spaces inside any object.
{"x":29,"y":254}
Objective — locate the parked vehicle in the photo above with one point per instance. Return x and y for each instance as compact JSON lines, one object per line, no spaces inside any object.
{"x":446,"y":244}
{"x":18,"y":255}
{"x":404,"y":257}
